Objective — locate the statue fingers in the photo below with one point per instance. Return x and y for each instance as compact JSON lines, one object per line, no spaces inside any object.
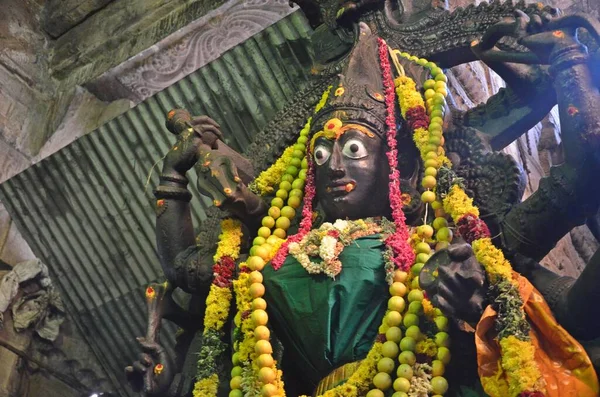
{"x":441,"y":303}
{"x":204,"y":124}
{"x":145,"y":359}
{"x":471,"y":273}
{"x":204,"y":120}
{"x":140,"y":367}
{"x":148,"y":346}
{"x":536,"y":24}
{"x":476,"y":304}
{"x":522,"y":22}
{"x":454,"y":296}
{"x":447,"y":277}
{"x":460,"y":252}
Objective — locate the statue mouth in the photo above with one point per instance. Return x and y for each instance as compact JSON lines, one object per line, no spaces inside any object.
{"x":341,"y":188}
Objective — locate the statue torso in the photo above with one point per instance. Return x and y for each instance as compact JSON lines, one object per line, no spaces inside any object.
{"x":325,"y":323}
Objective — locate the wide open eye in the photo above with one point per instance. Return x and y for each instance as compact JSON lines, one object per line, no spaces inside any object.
{"x":354,"y":149}
{"x":322,"y":154}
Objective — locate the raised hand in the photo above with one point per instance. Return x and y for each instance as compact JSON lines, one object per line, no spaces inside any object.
{"x":459,"y":287}
{"x":152,"y":373}
{"x":192,"y":134}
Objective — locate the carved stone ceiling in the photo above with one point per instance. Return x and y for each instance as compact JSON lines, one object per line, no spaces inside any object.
{"x":188,"y":49}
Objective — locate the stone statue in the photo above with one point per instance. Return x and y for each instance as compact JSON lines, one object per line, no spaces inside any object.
{"x":327,"y":323}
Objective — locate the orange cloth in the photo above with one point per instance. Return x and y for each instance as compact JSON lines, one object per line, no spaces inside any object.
{"x":566,"y":368}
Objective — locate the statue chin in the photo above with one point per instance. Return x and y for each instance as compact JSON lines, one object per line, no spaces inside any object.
{"x":353,"y":207}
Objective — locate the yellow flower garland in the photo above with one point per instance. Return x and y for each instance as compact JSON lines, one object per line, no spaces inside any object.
{"x":218,"y":300}
{"x":229,"y":239}
{"x":207,"y":387}
{"x":518,"y":363}
{"x":360,"y":380}
{"x":263,"y":184}
{"x":518,"y":372}
{"x":492,"y":259}
{"x":495,"y":385}
{"x":217,"y":308}
{"x":458,"y":204}
{"x":410,"y":98}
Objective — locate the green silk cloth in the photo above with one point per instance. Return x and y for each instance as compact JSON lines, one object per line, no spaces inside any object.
{"x":325,"y":323}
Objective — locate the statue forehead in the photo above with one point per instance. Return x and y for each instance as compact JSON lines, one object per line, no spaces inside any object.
{"x":335,"y":128}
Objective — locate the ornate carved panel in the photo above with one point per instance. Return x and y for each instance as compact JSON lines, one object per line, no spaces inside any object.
{"x":192,"y":47}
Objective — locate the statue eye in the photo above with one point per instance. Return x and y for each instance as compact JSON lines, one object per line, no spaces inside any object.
{"x":354,"y":149}
{"x":322,"y":154}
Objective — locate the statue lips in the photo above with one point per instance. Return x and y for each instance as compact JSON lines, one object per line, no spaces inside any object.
{"x":341,"y":188}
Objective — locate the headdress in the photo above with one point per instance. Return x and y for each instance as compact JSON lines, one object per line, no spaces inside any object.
{"x":359,"y":95}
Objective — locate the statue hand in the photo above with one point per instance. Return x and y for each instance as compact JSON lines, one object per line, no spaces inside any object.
{"x":152,"y":374}
{"x":460,"y":287}
{"x":544,"y":35}
{"x":218,"y":177}
{"x":185,"y":152}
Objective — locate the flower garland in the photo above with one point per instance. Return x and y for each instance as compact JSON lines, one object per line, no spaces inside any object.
{"x":403,"y":254}
{"x":328,"y":241}
{"x":217,"y":308}
{"x":518,"y":372}
{"x":255,"y":371}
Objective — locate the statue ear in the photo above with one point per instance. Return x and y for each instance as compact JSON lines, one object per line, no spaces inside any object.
{"x":414,"y":178}
{"x":409,"y":160}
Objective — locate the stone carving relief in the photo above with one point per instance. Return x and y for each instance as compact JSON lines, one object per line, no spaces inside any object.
{"x":197,"y":44}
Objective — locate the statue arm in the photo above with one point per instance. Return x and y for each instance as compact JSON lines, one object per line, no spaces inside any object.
{"x":198,"y":141}
{"x":175,"y":234}
{"x":570,"y":194}
{"x":570,"y":299}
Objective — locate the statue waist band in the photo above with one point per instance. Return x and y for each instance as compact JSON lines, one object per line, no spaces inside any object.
{"x":336,"y":377}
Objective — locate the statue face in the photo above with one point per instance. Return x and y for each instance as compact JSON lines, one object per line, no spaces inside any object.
{"x":352,"y":176}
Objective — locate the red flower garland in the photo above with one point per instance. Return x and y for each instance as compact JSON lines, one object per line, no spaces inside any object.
{"x":223,"y":272}
{"x":417,"y":118}
{"x":471,"y":228}
{"x":403,"y":255}
{"x":531,"y":394}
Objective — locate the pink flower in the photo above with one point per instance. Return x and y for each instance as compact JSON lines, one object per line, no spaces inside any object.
{"x":403,"y":253}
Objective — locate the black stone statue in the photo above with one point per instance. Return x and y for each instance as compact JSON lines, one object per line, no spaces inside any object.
{"x":543,"y":61}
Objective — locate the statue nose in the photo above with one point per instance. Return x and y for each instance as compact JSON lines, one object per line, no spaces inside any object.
{"x":336,"y":165}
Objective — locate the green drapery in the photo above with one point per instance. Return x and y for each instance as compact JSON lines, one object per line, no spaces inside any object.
{"x":325,"y":323}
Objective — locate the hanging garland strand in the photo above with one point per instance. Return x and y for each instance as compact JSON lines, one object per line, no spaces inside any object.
{"x":255,"y":371}
{"x":217,"y":308}
{"x":518,"y":371}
